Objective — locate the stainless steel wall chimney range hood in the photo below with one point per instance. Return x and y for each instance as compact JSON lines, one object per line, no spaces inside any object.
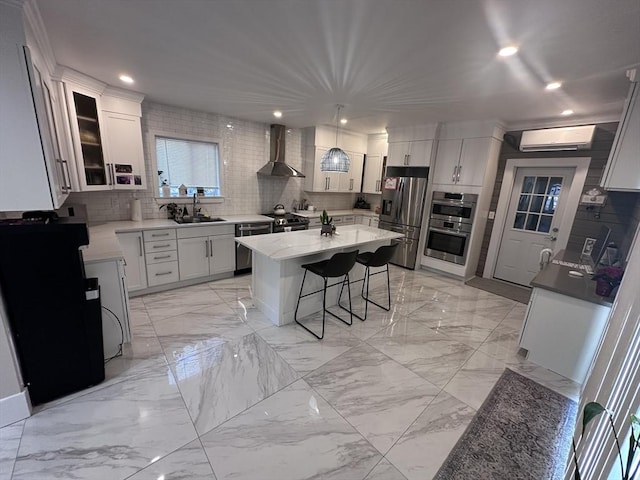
{"x":276,"y":166}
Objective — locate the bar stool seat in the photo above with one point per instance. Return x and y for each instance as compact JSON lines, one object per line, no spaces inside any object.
{"x":379,"y":258}
{"x":339,"y":265}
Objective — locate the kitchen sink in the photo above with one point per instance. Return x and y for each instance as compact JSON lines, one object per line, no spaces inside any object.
{"x":198,"y":219}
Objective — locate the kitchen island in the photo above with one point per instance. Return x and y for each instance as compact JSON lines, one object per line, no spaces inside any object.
{"x":277,"y":260}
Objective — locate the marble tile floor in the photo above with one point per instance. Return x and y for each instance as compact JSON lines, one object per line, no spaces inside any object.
{"x":210,"y":389}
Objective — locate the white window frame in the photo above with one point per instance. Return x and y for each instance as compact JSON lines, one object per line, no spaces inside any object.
{"x":153,"y":134}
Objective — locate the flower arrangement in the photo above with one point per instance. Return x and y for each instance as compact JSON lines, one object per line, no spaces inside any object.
{"x":608,"y":278}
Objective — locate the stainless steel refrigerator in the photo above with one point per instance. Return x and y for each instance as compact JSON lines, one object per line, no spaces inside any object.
{"x":403,"y":194}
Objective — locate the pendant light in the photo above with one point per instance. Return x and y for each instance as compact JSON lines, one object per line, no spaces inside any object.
{"x":335,"y":159}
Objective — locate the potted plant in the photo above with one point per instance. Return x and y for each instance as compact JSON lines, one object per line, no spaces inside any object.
{"x":627,"y":470}
{"x":607,"y":279}
{"x":327,"y":224}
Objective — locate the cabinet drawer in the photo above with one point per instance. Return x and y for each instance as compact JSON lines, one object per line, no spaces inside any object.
{"x":161,"y":257}
{"x":206,"y":231}
{"x":337,"y":220}
{"x":165,"y":234}
{"x":349,"y":219}
{"x":160,"y":246}
{"x":161,"y":273}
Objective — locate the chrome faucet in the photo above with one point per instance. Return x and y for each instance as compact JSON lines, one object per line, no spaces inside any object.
{"x":193,"y":208}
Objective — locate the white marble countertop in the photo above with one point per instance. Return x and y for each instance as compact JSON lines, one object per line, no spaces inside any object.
{"x":104,"y":245}
{"x":282,"y":246}
{"x":335,"y":213}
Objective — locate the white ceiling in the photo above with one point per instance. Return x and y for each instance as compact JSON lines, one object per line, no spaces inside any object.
{"x":390,"y":62}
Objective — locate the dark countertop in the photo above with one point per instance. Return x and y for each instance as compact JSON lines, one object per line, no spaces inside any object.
{"x":555,"y":278}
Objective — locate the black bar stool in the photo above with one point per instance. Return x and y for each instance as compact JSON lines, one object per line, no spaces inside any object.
{"x":339,"y":265}
{"x":379,"y":258}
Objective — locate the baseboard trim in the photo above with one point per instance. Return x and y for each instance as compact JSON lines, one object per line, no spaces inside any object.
{"x":14,"y":408}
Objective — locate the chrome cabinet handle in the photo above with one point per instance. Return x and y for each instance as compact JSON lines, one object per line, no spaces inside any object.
{"x":211,"y":248}
{"x":160,"y":234}
{"x":329,"y":179}
{"x":459,"y":170}
{"x":161,"y":257}
{"x":113,"y":173}
{"x":140,"y":244}
{"x":162,"y":246}
{"x":408,"y":159}
{"x":63,"y":187}
{"x":351,"y":184}
{"x":206,"y":248}
{"x":163,"y":273}
{"x":65,"y":172}
{"x":453,"y":175}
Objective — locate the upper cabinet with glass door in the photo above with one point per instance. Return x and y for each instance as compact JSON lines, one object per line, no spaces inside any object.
{"x":105,"y":134}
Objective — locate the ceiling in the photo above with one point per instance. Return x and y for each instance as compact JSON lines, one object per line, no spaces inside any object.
{"x":390,"y":62}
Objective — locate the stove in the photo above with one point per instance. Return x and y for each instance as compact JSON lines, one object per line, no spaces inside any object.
{"x":288,"y":220}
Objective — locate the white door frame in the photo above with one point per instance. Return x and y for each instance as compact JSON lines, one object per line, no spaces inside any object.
{"x":581,"y":164}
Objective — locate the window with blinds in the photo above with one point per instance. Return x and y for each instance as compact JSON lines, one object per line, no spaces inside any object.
{"x":194,"y":164}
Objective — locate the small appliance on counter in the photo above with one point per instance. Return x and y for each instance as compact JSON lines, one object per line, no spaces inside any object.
{"x":53,"y":311}
{"x":360,"y":203}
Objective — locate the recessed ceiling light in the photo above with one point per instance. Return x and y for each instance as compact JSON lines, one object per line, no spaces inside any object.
{"x":567,"y":112}
{"x":343,"y":121}
{"x":126,"y":79}
{"x":508,"y":51}
{"x":553,"y":86}
{"x":277,"y":114}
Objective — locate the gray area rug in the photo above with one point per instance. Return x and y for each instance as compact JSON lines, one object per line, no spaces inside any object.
{"x":522,"y":431}
{"x":513,"y":292}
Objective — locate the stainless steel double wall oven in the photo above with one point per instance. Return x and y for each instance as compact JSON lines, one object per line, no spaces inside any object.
{"x":450,"y":226}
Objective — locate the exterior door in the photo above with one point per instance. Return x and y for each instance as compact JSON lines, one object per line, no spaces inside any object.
{"x":534,"y":219}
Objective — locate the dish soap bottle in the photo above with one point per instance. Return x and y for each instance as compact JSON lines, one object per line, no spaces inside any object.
{"x":182,"y":190}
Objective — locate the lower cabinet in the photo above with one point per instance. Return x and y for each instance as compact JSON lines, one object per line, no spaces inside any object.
{"x":368,"y":220}
{"x":134,"y":260}
{"x":160,"y":256}
{"x":205,"y":251}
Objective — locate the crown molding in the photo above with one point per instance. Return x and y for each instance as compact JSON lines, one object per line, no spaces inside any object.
{"x":66,"y":74}
{"x":123,"y":94}
{"x":37,"y":28}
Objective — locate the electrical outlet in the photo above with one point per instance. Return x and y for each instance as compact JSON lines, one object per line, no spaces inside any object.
{"x":588,"y":246}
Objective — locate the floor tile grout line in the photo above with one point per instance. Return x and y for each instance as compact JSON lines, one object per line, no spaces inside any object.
{"x":15,"y":460}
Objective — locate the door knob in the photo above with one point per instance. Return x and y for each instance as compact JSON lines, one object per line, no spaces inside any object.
{"x":553,"y":238}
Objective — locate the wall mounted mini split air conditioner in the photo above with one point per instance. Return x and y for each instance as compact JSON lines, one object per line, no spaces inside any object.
{"x":557,"y":139}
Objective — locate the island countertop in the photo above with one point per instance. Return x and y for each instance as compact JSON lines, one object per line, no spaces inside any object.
{"x":287,"y":245}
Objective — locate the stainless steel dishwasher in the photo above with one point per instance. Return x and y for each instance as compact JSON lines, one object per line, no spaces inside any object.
{"x":243,"y":254}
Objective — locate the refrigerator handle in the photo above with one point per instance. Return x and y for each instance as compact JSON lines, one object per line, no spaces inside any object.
{"x":401,"y":200}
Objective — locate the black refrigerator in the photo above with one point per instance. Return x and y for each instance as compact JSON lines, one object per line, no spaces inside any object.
{"x":53,"y":311}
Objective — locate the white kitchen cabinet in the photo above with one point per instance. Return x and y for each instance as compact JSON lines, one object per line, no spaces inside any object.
{"x":114,"y":300}
{"x":132,"y":247}
{"x":204,"y":251}
{"x":372,"y":182}
{"x":462,"y":162}
{"x":623,"y":166}
{"x":104,"y":133}
{"x":161,"y":243}
{"x":351,"y":181}
{"x":415,"y":153}
{"x":34,"y":174}
{"x":86,"y":124}
{"x":315,"y":179}
{"x":123,"y":136}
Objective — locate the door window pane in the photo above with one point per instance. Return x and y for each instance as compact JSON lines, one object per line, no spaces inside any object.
{"x":523,"y":204}
{"x":536,"y":203}
{"x":527,"y":185}
{"x":532,"y":222}
{"x":550,"y":204}
{"x":545,"y":223}
{"x":541,"y":185}
{"x":519,"y":222}
{"x":554,"y":186}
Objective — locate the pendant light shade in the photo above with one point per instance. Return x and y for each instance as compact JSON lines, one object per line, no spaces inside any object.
{"x":335,"y":159}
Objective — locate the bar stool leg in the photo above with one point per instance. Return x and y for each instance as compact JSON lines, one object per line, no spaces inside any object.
{"x":324,"y":294}
{"x":367,"y":300}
